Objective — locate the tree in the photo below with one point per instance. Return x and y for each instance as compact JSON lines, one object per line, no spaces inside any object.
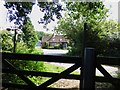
{"x":93,"y":13}
{"x":40,"y":34}
{"x":19,"y":10}
{"x":28,"y":46}
{"x":111,"y":38}
{"x":30,"y":37}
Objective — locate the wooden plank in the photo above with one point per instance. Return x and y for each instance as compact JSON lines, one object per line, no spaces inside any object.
{"x":108,"y":60}
{"x":106,"y":79}
{"x":10,"y":66}
{"x":62,"y":59}
{"x":35,"y":73}
{"x":47,"y":58}
{"x":106,"y":74}
{"x":65,"y":73}
{"x":103,"y":71}
{"x":65,"y":59}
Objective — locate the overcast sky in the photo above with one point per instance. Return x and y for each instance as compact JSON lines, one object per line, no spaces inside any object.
{"x":113,"y":6}
{"x":36,"y":14}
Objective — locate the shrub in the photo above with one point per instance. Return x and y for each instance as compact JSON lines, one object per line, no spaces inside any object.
{"x":45,"y":45}
{"x":112,"y":46}
{"x":6,"y":41}
{"x":25,"y":65}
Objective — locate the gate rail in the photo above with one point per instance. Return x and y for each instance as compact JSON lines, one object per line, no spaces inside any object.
{"x":77,"y":61}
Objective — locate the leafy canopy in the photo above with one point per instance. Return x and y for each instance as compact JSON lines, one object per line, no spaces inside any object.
{"x":72,"y":25}
{"x":19,"y":10}
{"x":30,"y":37}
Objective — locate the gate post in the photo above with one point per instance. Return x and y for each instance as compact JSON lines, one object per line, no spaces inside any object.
{"x":88,"y":82}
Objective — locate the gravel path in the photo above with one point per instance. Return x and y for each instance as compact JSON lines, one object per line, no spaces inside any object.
{"x":67,"y":83}
{"x":74,"y":84}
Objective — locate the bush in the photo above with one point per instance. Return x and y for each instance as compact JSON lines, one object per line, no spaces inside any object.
{"x":6,"y":41}
{"x":24,"y":65}
{"x":25,"y":44}
{"x":118,"y":75}
{"x":45,"y":45}
{"x":111,"y":46}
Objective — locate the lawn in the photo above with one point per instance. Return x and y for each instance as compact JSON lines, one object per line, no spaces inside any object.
{"x":49,"y":68}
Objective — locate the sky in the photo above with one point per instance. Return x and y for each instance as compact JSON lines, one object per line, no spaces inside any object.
{"x":113,"y":6}
{"x":36,"y":14}
{"x":3,"y":15}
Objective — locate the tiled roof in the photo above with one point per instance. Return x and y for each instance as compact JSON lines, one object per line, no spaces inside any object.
{"x":54,"y":38}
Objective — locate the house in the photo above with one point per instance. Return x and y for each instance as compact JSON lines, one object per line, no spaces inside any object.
{"x":55,"y":40}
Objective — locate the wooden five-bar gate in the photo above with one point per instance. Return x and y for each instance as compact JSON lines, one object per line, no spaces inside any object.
{"x":89,"y":63}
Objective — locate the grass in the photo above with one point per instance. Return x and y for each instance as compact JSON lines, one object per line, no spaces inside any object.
{"x":48,"y":68}
{"x":35,"y":66}
{"x":56,"y":69}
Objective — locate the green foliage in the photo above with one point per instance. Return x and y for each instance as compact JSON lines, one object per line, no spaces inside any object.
{"x":110,"y":38}
{"x":45,"y":45}
{"x":20,"y":10}
{"x":91,"y":11}
{"x":118,"y":74}
{"x":6,"y":41}
{"x":28,"y":46}
{"x":30,"y":36}
{"x":98,"y":29}
{"x":22,"y":48}
{"x":23,"y":8}
{"x":24,"y":65}
{"x":58,"y":46}
{"x":7,"y":45}
{"x":40,"y":35}
{"x":112,"y":46}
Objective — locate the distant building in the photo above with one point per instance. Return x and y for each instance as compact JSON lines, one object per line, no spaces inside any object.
{"x":55,"y":40}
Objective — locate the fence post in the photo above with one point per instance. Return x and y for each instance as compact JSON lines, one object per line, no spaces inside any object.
{"x":89,"y":69}
{"x":84,"y":45}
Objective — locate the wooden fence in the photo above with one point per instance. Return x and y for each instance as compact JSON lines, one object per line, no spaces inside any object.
{"x":90,"y":63}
